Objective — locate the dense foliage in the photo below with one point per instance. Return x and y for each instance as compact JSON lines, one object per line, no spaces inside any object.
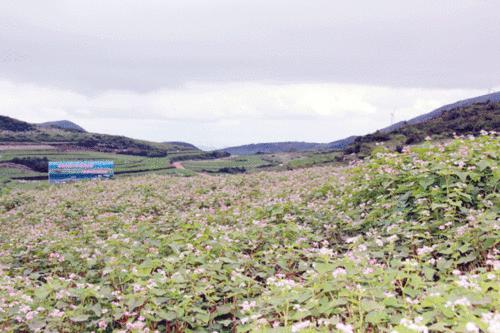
{"x":399,"y":243}
{"x":14,"y":125}
{"x":461,"y":121}
{"x":40,"y":164}
{"x":466,"y":120}
{"x":201,"y":156}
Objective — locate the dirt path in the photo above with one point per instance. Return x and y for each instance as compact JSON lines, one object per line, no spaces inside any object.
{"x":178,"y":165}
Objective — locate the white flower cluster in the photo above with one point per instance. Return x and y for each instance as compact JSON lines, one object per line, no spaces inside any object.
{"x":415,"y":325}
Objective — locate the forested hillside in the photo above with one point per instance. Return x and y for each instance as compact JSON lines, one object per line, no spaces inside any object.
{"x":471,"y":119}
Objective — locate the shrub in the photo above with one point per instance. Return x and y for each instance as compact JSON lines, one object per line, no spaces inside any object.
{"x":40,"y":164}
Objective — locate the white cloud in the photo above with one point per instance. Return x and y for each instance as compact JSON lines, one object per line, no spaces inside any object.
{"x":229,"y":113}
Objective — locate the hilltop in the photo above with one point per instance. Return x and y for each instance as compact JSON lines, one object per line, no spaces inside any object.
{"x":287,"y":147}
{"x":271,"y":147}
{"x":63,"y":124}
{"x":66,"y":135}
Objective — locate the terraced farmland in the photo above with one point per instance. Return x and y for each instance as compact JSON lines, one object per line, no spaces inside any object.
{"x":124,"y":164}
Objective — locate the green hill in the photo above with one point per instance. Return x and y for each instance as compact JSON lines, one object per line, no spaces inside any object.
{"x":25,"y":150}
{"x":16,"y":132}
{"x":63,"y":124}
{"x":461,"y":120}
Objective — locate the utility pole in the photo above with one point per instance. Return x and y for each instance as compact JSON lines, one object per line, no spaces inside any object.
{"x":393,"y":113}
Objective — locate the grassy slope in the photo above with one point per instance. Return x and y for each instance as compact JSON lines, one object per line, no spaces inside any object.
{"x":402,"y":242}
{"x":312,"y":159}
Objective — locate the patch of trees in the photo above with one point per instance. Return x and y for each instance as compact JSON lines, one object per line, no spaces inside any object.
{"x":378,"y":136}
{"x":145,"y":152}
{"x":120,"y":145}
{"x":40,"y":164}
{"x":201,"y":156}
{"x":232,"y":170}
{"x":228,"y":170}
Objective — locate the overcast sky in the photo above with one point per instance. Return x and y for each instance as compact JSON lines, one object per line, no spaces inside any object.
{"x":218,"y":73}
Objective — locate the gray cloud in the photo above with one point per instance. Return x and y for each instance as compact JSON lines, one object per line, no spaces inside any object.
{"x":96,"y":45}
{"x":226,"y":72}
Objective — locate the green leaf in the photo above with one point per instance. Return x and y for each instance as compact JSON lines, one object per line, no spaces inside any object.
{"x":429,"y":273}
{"x":425,"y":183}
{"x":80,"y":318}
{"x":323,"y":267}
{"x":462,"y":175}
{"x":204,"y":317}
{"x":169,"y":316}
{"x":134,"y":302}
{"x":483,"y":164}
{"x":223,"y":309}
{"x":42,"y":292}
{"x":370,"y":305}
{"x":376,"y":317}
{"x":447,"y":312}
{"x":470,"y":257}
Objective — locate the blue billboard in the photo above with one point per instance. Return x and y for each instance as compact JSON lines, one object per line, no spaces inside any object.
{"x":64,"y":171}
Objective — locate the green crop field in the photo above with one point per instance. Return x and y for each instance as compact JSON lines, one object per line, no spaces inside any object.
{"x":312,"y":159}
{"x":401,"y":242}
{"x":124,"y":164}
{"x":249,"y":163}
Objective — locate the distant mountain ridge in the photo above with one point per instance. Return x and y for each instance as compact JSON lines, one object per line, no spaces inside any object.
{"x":287,"y":147}
{"x":63,"y":124}
{"x":296,"y":146}
{"x":271,"y":147}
